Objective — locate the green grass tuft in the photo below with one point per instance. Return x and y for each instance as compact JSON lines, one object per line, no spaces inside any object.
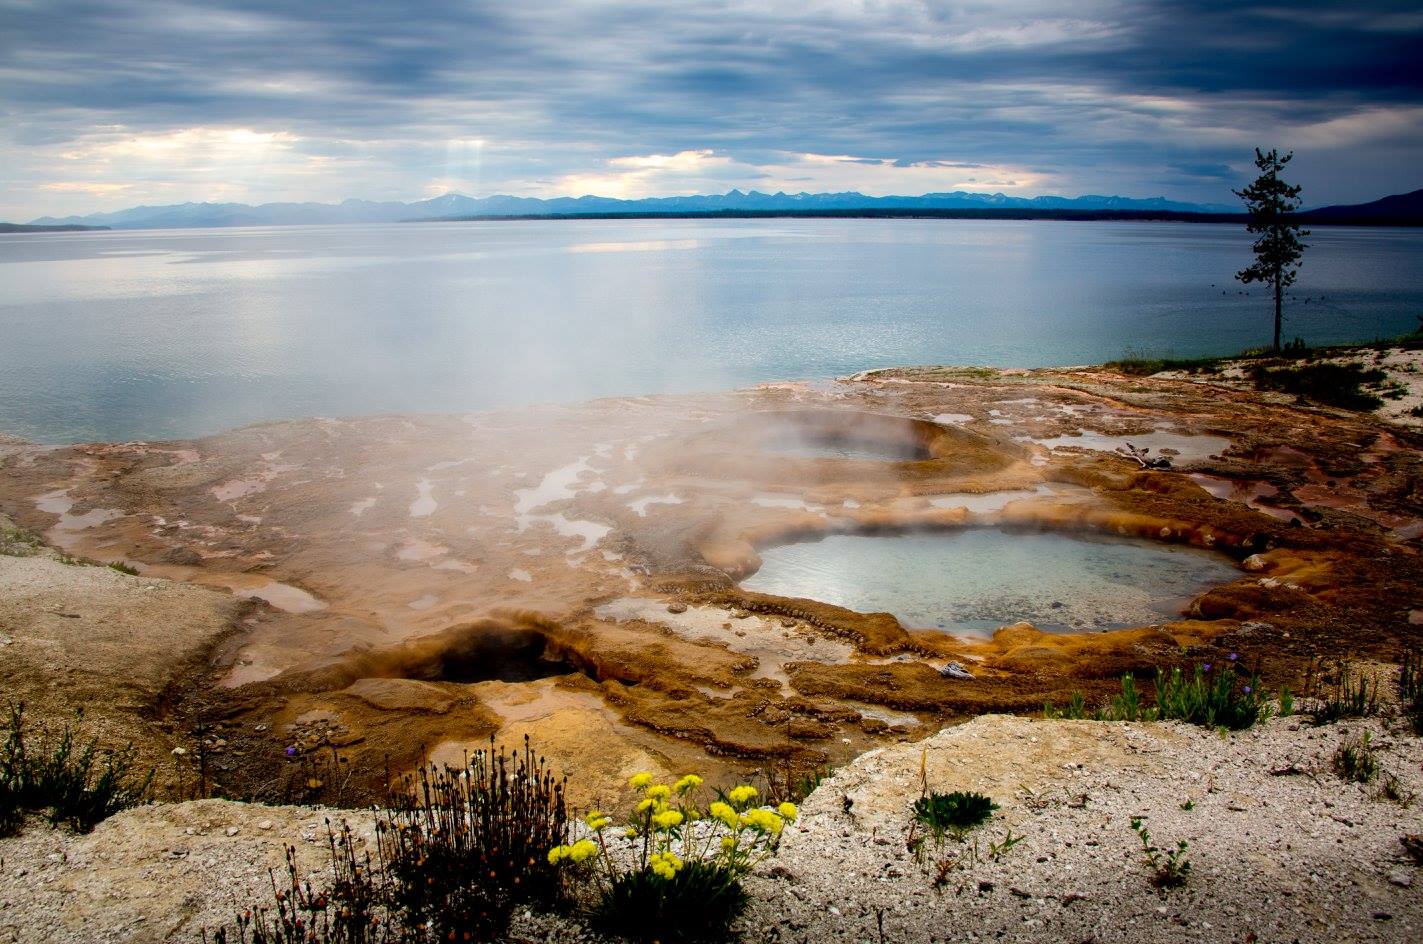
{"x":953,"y":813}
{"x":74,"y":784}
{"x":1410,"y":689}
{"x":1355,"y":761}
{"x":1212,"y":699}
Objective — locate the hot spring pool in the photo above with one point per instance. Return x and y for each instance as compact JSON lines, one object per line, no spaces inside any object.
{"x":976,"y":580}
{"x":828,"y":448}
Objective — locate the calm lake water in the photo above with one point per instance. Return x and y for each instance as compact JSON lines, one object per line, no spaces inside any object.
{"x":143,"y":335}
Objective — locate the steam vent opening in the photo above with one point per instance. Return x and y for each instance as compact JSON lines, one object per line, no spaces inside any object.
{"x":830,"y":434}
{"x":493,"y":657}
{"x":975,"y":580}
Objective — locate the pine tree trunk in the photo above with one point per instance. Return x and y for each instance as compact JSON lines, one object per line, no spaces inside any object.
{"x":1278,"y":291}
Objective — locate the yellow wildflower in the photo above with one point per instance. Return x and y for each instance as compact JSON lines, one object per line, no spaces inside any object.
{"x":630,"y":832}
{"x":665,"y":864}
{"x":596,"y":820}
{"x":659,"y":792}
{"x":728,"y":843}
{"x":726,"y":814}
{"x":646,"y":805}
{"x":667,"y":820}
{"x":583,"y":850}
{"x":763,"y":821}
{"x":788,"y":811}
{"x":742,"y":794}
{"x":689,"y":782}
{"x":557,"y":854}
{"x":640,"y":781}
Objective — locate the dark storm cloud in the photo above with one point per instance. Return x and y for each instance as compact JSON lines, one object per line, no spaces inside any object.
{"x":1087,"y":96}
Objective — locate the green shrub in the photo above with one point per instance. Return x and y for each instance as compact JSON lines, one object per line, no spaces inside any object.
{"x":1169,"y":867}
{"x":953,"y":813}
{"x":1142,"y":364}
{"x":75,"y":785}
{"x":698,"y":903}
{"x":1350,"y":697}
{"x":1213,"y":699}
{"x":1354,"y":760}
{"x":459,"y":849}
{"x":463,"y":847}
{"x":1410,"y":689}
{"x":1074,"y":710}
{"x":1341,"y":385}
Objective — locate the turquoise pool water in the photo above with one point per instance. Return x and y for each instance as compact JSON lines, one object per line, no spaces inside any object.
{"x":976,"y":580}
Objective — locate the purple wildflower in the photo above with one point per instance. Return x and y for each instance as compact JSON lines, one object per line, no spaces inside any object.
{"x":1233,"y":657}
{"x":291,"y":751}
{"x":1247,"y":689}
{"x":1206,"y":667}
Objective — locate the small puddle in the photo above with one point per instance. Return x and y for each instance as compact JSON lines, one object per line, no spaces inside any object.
{"x":59,"y":503}
{"x":283,"y":596}
{"x":976,"y":580}
{"x":1245,"y":492}
{"x":640,"y":505}
{"x":782,"y":500}
{"x":983,"y":503}
{"x":1180,"y":447}
{"x":557,"y":485}
{"x":424,"y":504}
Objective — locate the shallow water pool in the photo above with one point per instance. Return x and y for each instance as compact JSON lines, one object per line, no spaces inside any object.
{"x":816,"y":447}
{"x":976,"y":580}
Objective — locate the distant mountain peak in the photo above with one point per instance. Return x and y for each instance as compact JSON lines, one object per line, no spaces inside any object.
{"x":453,"y":204}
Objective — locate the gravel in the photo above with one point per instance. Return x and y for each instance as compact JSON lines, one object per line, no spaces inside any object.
{"x":1281,"y":848}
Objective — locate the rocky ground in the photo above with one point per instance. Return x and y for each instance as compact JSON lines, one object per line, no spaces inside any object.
{"x":1281,"y":848}
{"x":1401,"y":389}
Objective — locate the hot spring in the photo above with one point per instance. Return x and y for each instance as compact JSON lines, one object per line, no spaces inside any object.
{"x":976,"y":580}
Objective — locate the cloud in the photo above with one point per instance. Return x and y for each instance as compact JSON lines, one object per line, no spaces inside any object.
{"x":183,"y":99}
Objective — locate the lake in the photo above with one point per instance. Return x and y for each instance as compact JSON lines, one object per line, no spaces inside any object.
{"x":159,"y":334}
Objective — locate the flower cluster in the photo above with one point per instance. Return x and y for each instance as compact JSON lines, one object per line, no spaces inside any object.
{"x":674,"y":828}
{"x":665,"y":865}
{"x":580,"y":851}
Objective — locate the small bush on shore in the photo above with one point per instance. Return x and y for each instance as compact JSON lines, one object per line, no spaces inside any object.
{"x":1341,"y":385}
{"x":458,"y":848}
{"x":1143,"y":365}
{"x":1169,"y":867}
{"x":74,"y":784}
{"x":953,"y":813}
{"x":1212,"y":699}
{"x":1351,"y":696}
{"x":1354,"y":760}
{"x":347,"y":910}
{"x":1410,"y":689}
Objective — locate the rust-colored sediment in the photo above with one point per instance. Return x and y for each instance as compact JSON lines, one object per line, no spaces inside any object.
{"x":419,"y":583}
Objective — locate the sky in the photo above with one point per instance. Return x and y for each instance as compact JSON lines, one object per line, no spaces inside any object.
{"x":114,"y":103}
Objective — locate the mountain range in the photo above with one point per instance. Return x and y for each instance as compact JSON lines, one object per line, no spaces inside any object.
{"x":1401,"y":209}
{"x":454,"y":205}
